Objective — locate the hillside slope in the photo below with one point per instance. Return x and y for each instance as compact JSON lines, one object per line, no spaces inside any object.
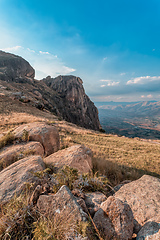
{"x":63,"y":96}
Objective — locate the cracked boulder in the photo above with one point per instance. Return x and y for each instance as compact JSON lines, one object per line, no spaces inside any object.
{"x":41,"y":132}
{"x":13,"y":179}
{"x":76,"y":156}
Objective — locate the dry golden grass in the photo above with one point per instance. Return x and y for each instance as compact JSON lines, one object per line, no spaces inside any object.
{"x":16,"y":218}
{"x":119,"y":158}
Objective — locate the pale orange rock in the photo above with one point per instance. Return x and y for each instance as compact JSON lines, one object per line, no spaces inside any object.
{"x":114,"y":220}
{"x":63,"y":202}
{"x":143,"y":196}
{"x":14,"y":177}
{"x":41,"y":132}
{"x":76,"y":156}
{"x":11,"y":154}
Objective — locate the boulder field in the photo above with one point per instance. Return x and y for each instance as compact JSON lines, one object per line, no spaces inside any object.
{"x":133,"y":209}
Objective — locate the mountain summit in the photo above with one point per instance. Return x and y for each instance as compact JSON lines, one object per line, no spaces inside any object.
{"x":13,"y":67}
{"x":63,"y":95}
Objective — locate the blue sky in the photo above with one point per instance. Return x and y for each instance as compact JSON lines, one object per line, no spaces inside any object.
{"x":114,"y":46}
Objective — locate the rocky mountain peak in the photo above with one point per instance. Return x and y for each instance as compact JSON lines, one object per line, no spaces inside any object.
{"x":63,"y":95}
{"x":77,"y":107}
{"x":13,"y":67}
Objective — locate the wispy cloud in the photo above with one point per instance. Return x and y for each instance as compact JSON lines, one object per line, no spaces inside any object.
{"x":44,"y":52}
{"x":122,"y":74}
{"x":30,"y":50}
{"x":13,"y":49}
{"x":109,"y":82}
{"x":148,"y":96}
{"x":44,"y":63}
{"x":105,"y":58}
{"x":143,"y":80}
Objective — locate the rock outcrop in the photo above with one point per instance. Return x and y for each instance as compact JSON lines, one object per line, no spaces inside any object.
{"x":114,"y":220}
{"x":76,"y":156}
{"x":62,"y":209}
{"x":14,"y":177}
{"x":76,"y":105}
{"x":46,"y":134}
{"x":13,"y":67}
{"x":13,"y":153}
{"x":63,"y":95}
{"x":63,"y":202}
{"x":143,"y":197}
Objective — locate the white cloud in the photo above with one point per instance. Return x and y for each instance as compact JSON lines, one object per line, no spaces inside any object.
{"x":30,"y":50}
{"x":102,"y":85}
{"x":44,"y":52}
{"x":109,"y":82}
{"x":149,"y":96}
{"x":113,"y":83}
{"x":67,"y":70}
{"x":44,"y":63}
{"x":143,"y":80}
{"x":11,"y":49}
{"x":122,"y":74}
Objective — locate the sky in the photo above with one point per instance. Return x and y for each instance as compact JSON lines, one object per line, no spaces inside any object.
{"x":113,"y":46}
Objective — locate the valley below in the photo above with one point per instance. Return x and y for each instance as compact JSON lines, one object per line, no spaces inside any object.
{"x":141,"y":119}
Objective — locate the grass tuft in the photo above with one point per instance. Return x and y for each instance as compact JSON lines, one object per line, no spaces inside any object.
{"x":25,"y":136}
{"x":7,"y":139}
{"x":16,"y":218}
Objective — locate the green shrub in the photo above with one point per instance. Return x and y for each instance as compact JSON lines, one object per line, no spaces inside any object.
{"x":66,"y":176}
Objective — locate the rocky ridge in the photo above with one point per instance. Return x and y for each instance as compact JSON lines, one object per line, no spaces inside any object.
{"x":63,"y":95}
{"x":14,"y":68}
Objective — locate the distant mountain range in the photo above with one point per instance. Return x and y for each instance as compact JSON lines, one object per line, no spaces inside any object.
{"x":137,"y":119}
{"x":144,"y":108}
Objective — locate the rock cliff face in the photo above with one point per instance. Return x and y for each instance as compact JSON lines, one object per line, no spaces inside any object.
{"x":77,"y":107}
{"x":13,"y":67}
{"x":63,"y":95}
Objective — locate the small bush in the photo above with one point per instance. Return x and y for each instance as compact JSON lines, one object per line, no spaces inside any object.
{"x":42,"y":174}
{"x":25,"y":136}
{"x":66,"y":176}
{"x":96,"y":182}
{"x":7,"y":139}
